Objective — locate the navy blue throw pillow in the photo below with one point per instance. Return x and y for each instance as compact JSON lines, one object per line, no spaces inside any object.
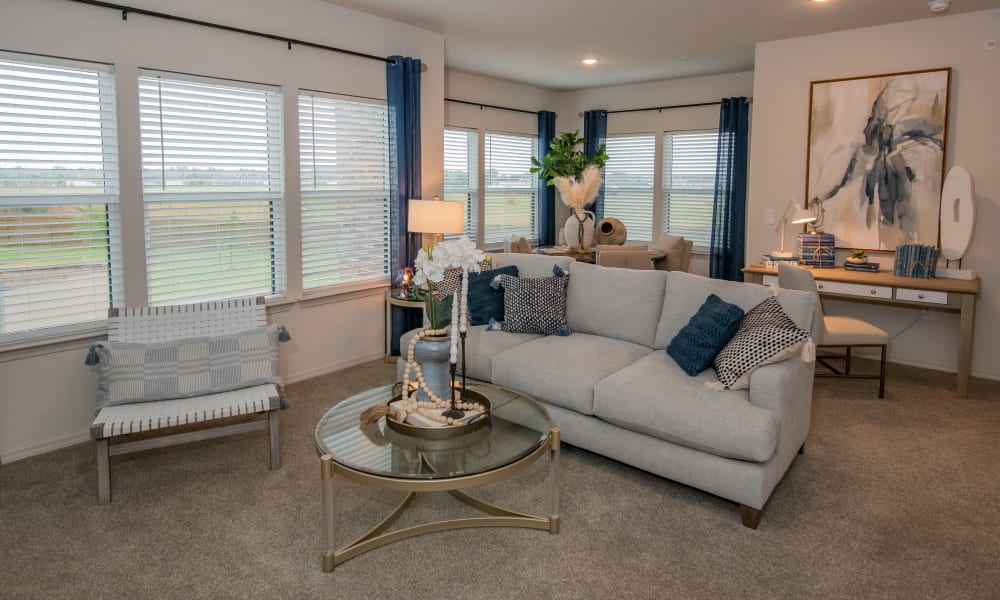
{"x":706,"y":334}
{"x":486,"y":303}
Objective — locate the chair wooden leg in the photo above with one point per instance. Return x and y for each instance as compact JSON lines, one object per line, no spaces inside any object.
{"x":103,"y":472}
{"x":749,"y":516}
{"x":847,"y":361}
{"x":273,"y":441}
{"x":881,"y":374}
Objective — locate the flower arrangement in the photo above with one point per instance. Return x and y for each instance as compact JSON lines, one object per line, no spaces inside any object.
{"x":430,"y":264}
{"x":578,"y":192}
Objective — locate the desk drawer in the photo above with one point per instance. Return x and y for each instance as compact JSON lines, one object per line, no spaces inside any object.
{"x":927,"y":296}
{"x":855,"y":289}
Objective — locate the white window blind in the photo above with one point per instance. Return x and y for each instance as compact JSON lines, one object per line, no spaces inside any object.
{"x":60,"y":251}
{"x":344,"y":163}
{"x":689,"y":159}
{"x":212,"y":188}
{"x":510,"y":190}
{"x":628,"y":183}
{"x":461,"y":175}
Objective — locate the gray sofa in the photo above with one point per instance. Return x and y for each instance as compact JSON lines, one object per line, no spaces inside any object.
{"x":612,"y":389}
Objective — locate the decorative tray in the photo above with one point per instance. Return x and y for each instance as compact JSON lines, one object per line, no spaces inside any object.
{"x":418,"y":426}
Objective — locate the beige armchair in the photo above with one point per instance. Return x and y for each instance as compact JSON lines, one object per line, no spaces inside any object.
{"x":674,"y":253}
{"x":627,"y":257}
{"x":837,"y":332}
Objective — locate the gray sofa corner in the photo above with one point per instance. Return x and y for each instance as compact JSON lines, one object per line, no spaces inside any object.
{"x":611,"y":388}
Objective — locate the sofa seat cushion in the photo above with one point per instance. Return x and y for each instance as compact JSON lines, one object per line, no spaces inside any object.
{"x":655,"y":397}
{"x":480,"y":348}
{"x":563,"y":370}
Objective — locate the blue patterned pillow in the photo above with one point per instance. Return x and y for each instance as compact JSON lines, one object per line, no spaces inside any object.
{"x":706,"y":334}
{"x":135,"y":372}
{"x":486,"y":303}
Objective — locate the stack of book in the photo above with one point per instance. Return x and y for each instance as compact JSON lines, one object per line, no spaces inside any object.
{"x":867,"y":267}
{"x":915,"y":260}
{"x":817,"y":250}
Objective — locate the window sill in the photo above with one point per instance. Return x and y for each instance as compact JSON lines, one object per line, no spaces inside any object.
{"x":77,"y":338}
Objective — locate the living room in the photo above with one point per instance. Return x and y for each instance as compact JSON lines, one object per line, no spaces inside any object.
{"x":892,"y":497}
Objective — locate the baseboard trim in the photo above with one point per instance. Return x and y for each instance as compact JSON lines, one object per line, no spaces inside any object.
{"x":929,"y":366}
{"x":331,"y":368}
{"x":36,"y":449}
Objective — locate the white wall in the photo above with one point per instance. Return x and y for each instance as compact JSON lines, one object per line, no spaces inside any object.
{"x":778,"y":156}
{"x":47,"y":395}
{"x":691,"y":90}
{"x":460,"y":85}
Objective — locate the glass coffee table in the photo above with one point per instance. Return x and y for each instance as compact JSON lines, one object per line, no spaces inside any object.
{"x":518,"y":434}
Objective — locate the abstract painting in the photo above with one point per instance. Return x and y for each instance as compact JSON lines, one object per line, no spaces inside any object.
{"x":876,"y":157}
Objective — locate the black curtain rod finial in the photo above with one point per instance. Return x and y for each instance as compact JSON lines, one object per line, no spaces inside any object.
{"x":124,"y":14}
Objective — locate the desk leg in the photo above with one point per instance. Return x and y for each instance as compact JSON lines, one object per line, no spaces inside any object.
{"x":966,"y":328}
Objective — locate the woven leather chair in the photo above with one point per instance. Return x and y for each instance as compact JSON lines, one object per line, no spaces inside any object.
{"x":164,"y":323}
{"x":837,"y":332}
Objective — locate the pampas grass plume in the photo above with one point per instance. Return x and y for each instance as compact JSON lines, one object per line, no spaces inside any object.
{"x":577,"y":194}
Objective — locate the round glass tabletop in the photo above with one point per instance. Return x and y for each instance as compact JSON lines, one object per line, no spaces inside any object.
{"x":518,"y":426}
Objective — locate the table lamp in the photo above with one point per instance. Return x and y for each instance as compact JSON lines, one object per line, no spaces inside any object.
{"x":434,"y":218}
{"x":798,"y":215}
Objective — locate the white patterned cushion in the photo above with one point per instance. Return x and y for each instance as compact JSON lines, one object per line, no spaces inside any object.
{"x":135,"y":372}
{"x":453,"y":279}
{"x":766,"y":335}
{"x":533,"y":304}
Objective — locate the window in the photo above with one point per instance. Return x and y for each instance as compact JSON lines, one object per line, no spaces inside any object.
{"x":461,"y":175}
{"x":212,"y":188}
{"x":689,"y":159}
{"x":628,"y":183}
{"x":344,"y":163}
{"x":510,"y":190}
{"x":59,"y":226}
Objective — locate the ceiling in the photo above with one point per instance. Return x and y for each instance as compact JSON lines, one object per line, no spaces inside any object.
{"x":541,"y":42}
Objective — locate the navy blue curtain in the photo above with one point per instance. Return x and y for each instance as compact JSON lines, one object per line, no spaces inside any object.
{"x":595,"y":133}
{"x":729,"y":214}
{"x":402,"y":79}
{"x":546,"y":192}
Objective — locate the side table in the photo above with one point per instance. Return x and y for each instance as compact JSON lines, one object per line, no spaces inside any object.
{"x":391,"y":301}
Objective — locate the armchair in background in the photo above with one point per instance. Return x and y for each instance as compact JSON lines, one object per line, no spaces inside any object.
{"x":628,"y":257}
{"x":677,"y":253}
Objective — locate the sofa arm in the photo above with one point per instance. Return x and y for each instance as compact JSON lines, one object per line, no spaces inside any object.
{"x":785,"y":388}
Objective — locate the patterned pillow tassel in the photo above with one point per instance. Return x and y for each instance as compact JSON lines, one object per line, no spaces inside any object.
{"x":558,"y":271}
{"x":93,"y":357}
{"x":809,"y":351}
{"x":495,"y":283}
{"x":563,"y":331}
{"x":715,"y":385}
{"x":494,"y":325}
{"x":283,"y":335}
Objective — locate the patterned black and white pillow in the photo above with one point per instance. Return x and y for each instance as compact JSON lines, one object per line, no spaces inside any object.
{"x":452,"y":281}
{"x":533,"y":304}
{"x":766,"y":335}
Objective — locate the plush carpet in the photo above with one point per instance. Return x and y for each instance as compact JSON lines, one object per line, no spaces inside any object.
{"x":893,"y":498}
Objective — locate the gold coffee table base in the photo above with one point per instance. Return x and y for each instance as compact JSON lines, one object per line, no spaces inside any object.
{"x":500,"y":517}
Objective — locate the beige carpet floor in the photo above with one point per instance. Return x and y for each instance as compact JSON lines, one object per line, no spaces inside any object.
{"x":893,"y":498}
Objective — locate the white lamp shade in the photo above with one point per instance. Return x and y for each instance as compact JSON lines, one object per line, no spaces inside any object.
{"x":435,"y":216}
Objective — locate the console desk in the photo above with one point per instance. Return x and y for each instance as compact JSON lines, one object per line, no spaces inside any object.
{"x":953,"y":295}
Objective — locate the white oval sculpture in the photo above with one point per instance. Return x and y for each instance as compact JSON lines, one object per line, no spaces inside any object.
{"x":958,"y":213}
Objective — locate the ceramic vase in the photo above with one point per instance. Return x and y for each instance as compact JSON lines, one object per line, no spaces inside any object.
{"x":433,"y":354}
{"x":579,"y":229}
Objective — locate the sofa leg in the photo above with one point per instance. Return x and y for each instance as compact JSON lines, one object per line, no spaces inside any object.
{"x":802,"y":448}
{"x":749,"y":516}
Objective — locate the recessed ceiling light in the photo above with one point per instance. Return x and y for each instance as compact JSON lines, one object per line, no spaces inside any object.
{"x":589,"y":61}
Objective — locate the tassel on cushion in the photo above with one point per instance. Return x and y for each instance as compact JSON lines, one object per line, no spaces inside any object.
{"x":283,"y":335}
{"x":282,"y":402}
{"x":494,"y":325}
{"x":558,"y":271}
{"x":715,"y":385}
{"x":809,"y":351}
{"x":93,"y":357}
{"x":563,"y":331}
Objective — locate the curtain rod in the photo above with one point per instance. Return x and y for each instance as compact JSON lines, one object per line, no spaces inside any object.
{"x":125,"y":10}
{"x":482,"y":106}
{"x":661,"y":108}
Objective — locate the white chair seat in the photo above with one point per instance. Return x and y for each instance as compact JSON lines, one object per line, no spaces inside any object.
{"x":123,"y":419}
{"x":848,"y":331}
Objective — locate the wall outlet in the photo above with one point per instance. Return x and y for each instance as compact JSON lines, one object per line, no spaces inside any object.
{"x":769,"y":218}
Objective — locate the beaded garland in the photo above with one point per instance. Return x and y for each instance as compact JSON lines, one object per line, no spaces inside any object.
{"x":410,"y":404}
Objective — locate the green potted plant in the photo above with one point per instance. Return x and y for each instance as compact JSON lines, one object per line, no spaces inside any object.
{"x":578,"y":179}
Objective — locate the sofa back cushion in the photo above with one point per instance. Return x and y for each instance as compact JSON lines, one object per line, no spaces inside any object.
{"x":532,"y":265}
{"x":685,"y":293}
{"x":623,"y":304}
